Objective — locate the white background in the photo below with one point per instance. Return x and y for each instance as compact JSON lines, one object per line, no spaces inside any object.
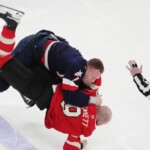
{"x":114,"y":31}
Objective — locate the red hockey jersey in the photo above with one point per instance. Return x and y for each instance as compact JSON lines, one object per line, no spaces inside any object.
{"x":70,"y":119}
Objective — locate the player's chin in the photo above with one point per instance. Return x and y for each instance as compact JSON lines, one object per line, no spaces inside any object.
{"x":88,"y":83}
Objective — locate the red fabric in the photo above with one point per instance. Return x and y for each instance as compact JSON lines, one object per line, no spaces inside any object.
{"x":59,"y":116}
{"x":98,"y":82}
{"x":46,"y":45}
{"x":7,"y":47}
{"x":4,"y":60}
{"x":72,"y":139}
{"x":69,"y":147}
{"x":69,"y":87}
{"x":8,"y":33}
{"x":93,"y":92}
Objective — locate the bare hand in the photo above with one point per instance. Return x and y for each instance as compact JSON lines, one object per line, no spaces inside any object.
{"x":84,"y":143}
{"x":133,"y":68}
{"x":98,"y":100}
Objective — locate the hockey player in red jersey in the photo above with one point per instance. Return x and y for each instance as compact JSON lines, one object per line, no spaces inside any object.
{"x":73,"y":120}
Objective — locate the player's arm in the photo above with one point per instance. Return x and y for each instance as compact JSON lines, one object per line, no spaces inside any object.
{"x":70,"y":85}
{"x":74,"y":142}
{"x":142,"y":84}
{"x":76,"y":98}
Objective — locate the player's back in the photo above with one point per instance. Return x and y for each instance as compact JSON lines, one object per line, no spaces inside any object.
{"x":70,"y":119}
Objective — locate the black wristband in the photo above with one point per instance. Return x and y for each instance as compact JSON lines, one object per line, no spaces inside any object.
{"x":81,"y":145}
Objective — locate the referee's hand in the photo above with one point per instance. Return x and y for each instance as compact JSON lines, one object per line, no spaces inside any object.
{"x":133,"y":68}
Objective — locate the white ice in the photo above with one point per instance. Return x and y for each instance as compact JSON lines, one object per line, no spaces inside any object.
{"x":113,"y":30}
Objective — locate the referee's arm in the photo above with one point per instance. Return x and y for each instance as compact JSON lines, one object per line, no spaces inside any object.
{"x":142,"y":84}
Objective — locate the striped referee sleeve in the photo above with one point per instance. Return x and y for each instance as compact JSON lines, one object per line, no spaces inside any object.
{"x":142,"y":84}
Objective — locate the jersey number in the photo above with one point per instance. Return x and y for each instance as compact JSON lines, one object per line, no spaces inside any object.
{"x":67,"y":110}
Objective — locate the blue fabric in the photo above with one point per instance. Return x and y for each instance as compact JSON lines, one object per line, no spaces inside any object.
{"x":62,"y":58}
{"x":3,"y":85}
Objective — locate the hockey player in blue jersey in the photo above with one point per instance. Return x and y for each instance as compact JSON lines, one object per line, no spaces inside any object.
{"x":47,"y":50}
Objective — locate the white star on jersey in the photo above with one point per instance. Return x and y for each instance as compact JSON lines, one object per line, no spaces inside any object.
{"x":77,"y":74}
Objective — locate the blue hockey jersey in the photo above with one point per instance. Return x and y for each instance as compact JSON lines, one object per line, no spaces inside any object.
{"x":67,"y":63}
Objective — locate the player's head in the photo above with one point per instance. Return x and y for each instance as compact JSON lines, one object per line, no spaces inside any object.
{"x":95,"y":68}
{"x":104,"y":115}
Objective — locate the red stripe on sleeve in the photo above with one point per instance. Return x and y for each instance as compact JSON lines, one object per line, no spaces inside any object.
{"x":69,"y":87}
{"x":7,"y":47}
{"x":8,"y":33}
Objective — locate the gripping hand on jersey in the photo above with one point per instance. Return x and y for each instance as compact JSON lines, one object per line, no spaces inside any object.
{"x":97,"y":100}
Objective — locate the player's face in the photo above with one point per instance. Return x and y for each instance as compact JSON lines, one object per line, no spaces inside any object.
{"x":91,"y":75}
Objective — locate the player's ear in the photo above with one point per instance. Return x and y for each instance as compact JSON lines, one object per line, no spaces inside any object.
{"x":99,"y":123}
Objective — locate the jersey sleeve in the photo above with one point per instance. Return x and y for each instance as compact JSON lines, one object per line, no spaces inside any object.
{"x":142,"y":84}
{"x":70,"y":119}
{"x":70,"y":84}
{"x":72,"y":143}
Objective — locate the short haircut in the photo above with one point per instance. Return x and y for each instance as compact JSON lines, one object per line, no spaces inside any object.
{"x":97,"y":64}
